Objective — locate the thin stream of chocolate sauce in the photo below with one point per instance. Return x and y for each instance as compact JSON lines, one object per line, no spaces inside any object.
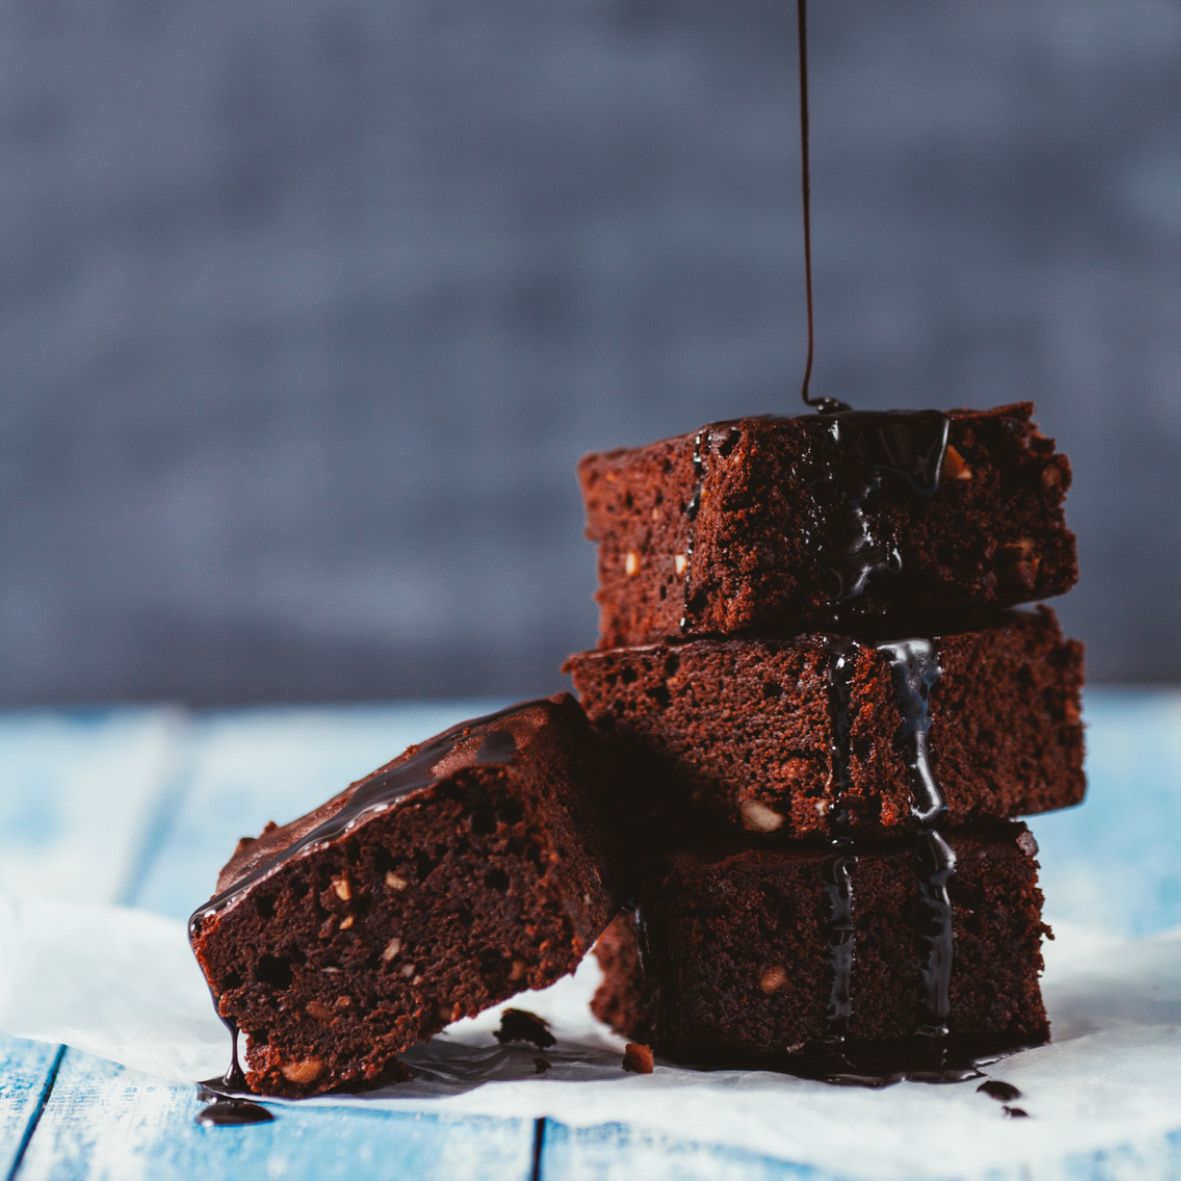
{"x":824,"y":405}
{"x":838,"y":873}
{"x":806,"y":192}
{"x":705,"y":443}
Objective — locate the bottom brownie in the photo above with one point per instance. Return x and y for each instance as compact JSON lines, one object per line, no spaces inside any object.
{"x":756,"y":956}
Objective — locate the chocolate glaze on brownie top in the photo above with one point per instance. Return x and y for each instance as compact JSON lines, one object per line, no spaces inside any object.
{"x":484,"y":741}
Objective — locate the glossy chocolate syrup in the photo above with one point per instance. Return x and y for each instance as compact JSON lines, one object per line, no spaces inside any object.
{"x":824,"y":405}
{"x":916,"y":671}
{"x":380,"y":791}
{"x":848,"y":457}
{"x":715,"y":438}
{"x":905,"y":444}
{"x":1000,"y":1091}
{"x":928,"y":1055}
{"x":226,"y":1108}
{"x":858,"y":450}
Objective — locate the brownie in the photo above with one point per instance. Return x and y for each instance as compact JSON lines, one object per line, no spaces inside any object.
{"x":778,"y":524}
{"x":736,"y":957}
{"x":472,"y":867}
{"x":748,"y":732}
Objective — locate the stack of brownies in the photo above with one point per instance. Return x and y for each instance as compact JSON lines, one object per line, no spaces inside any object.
{"x":819,"y":719}
{"x":823,"y":717}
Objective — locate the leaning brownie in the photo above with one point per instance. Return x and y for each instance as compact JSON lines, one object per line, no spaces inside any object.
{"x":470,"y":868}
{"x":737,"y":958}
{"x":777,"y":523}
{"x":749,"y":731}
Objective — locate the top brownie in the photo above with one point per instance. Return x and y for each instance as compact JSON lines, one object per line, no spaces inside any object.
{"x":776,"y":524}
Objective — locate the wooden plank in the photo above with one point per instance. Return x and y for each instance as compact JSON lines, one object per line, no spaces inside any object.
{"x":103,"y":1121}
{"x":80,"y":793}
{"x":25,"y":1069}
{"x":610,"y":1150}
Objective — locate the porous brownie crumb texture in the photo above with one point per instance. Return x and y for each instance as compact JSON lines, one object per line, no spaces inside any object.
{"x":753,"y":558}
{"x":489,"y":881}
{"x":740,"y":729}
{"x":735,"y":966}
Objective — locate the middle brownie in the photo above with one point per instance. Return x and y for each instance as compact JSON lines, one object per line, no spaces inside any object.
{"x":749,"y":731}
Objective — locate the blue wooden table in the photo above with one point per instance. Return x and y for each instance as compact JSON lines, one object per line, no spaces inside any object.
{"x":143,"y":805}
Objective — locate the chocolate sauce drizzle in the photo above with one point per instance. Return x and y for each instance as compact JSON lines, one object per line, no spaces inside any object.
{"x":906,"y":445}
{"x":851,"y":454}
{"x":380,"y":791}
{"x":722,"y":438}
{"x":377,"y":793}
{"x":916,"y":671}
{"x":838,"y":871}
{"x":228,"y":1109}
{"x":926,"y":1056}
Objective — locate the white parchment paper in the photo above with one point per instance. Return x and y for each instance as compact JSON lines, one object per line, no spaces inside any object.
{"x":122,"y":984}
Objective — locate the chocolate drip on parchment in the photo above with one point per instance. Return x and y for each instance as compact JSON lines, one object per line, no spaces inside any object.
{"x":228,"y":1109}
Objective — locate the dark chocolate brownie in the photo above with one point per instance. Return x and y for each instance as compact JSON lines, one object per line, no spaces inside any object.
{"x":470,"y":868}
{"x":736,"y":956}
{"x":745,"y":730}
{"x":775,"y":524}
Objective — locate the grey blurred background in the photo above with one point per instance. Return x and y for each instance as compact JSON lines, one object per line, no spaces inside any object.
{"x":309,"y":307}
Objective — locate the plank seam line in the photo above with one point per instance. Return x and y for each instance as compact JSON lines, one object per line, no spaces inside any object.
{"x":34,"y":1119}
{"x":538,"y":1146}
{"x":170,"y":798}
{"x":165,"y":809}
